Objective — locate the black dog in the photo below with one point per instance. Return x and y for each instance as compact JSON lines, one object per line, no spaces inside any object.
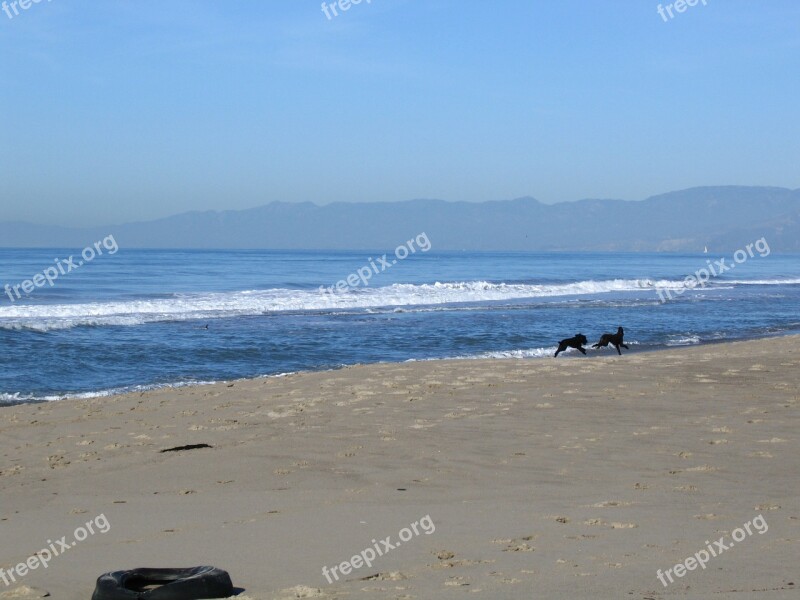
{"x":576,"y":342}
{"x":615,"y":339}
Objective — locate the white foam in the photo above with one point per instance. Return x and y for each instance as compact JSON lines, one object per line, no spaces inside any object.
{"x":690,"y":340}
{"x":761,"y":281}
{"x":19,"y":398}
{"x":207,"y":306}
{"x":717,"y":283}
{"x":521,"y":353}
{"x":518,"y":353}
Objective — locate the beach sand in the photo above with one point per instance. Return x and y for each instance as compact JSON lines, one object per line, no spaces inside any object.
{"x":569,"y":478}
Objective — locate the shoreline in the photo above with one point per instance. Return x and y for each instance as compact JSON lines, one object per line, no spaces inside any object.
{"x":147,"y":388}
{"x":557,"y":479}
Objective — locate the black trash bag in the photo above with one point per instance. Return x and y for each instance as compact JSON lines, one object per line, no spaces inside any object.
{"x":173,"y":584}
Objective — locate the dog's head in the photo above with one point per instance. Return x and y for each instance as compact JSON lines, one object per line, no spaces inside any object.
{"x":580,"y":338}
{"x":620,"y":331}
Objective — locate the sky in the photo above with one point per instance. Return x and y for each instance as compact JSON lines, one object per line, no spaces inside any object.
{"x":116,"y":111}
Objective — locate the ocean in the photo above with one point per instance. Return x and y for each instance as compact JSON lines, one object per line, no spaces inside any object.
{"x":139,"y":319}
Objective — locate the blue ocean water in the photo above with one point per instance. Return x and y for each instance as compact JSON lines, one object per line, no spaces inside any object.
{"x":143,"y":318}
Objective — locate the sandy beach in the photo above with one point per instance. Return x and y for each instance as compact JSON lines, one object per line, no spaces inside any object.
{"x":569,"y":478}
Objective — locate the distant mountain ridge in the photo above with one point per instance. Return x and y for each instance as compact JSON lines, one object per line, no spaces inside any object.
{"x":723,"y":218}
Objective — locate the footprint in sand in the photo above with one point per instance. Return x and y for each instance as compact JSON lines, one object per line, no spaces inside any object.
{"x":614,"y":525}
{"x":392,"y":576}
{"x":685,"y":488}
{"x":57,"y":461}
{"x":523,"y":547}
{"x":446,"y":560}
{"x":299,"y":591}
{"x":350,"y":452}
{"x":24,"y":591}
{"x":562,"y":520}
{"x":761,"y":454}
{"x":705,"y":468}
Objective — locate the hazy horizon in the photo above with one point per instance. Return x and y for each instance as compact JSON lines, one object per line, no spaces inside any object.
{"x":405,"y":200}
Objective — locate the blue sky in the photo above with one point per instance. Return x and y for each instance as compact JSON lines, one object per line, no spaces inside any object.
{"x":115,"y":111}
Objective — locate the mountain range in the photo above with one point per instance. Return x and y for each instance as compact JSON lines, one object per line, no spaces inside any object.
{"x":723,"y":218}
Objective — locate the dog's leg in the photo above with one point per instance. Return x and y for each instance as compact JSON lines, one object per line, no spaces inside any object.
{"x":560,"y":349}
{"x":582,"y":350}
{"x":618,"y":350}
{"x":624,"y":346}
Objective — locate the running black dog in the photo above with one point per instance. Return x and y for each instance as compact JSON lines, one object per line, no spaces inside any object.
{"x":576,"y":342}
{"x":615,"y":339}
